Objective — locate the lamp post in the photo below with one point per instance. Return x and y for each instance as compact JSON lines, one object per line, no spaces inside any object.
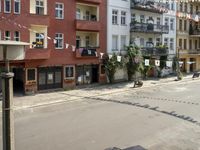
{"x":10,"y":50}
{"x":7,"y":105}
{"x":177,"y":64}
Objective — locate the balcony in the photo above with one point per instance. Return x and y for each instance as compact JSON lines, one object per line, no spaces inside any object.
{"x":87,"y":25}
{"x":194,"y":51}
{"x":150,"y":6}
{"x":90,"y":1}
{"x":34,"y":19}
{"x":84,"y":52}
{"x":37,"y":54}
{"x":194,"y":32}
{"x":151,"y":50}
{"x":149,"y":28}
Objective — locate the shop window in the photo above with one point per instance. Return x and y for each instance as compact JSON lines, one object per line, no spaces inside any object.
{"x":31,"y":74}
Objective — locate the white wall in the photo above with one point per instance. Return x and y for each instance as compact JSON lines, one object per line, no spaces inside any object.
{"x":172,"y":33}
{"x":119,"y":30}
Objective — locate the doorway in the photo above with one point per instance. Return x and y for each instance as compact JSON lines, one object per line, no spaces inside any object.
{"x":18,"y":80}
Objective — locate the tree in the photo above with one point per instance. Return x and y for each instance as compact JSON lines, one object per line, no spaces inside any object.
{"x":111,"y":65}
{"x":133,"y":61}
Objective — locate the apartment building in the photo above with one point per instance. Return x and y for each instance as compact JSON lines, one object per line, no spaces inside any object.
{"x":169,"y":19}
{"x":150,"y":28}
{"x":118,"y":30}
{"x":66,"y":39}
{"x":188,"y":35}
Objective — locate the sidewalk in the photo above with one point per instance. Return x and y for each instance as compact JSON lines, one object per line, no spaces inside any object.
{"x":42,"y":99}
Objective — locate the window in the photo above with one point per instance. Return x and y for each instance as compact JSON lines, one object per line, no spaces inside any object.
{"x":59,"y":11}
{"x":17,"y":6}
{"x":186,"y":8}
{"x":197,"y":8}
{"x":0,"y":5}
{"x":39,"y":39}
{"x":16,"y":36}
{"x":87,"y":41}
{"x":31,"y":74}
{"x":141,"y":42}
{"x":185,"y":44}
{"x":7,"y":35}
{"x":59,"y":41}
{"x":114,"y":42}
{"x":190,"y":44}
{"x":171,"y":44}
{"x":158,"y":42}
{"x":166,"y":21}
{"x":185,"y":25}
{"x":133,"y":18}
{"x":87,"y":15}
{"x":115,"y":17}
{"x":78,"y":41}
{"x":39,"y":7}
{"x":181,"y":7}
{"x":171,"y":24}
{"x":166,"y":42}
{"x":195,"y":44}
{"x":123,"y":18}
{"x":172,"y":6}
{"x":191,"y":8}
{"x":7,"y":6}
{"x":78,"y":13}
{"x":69,"y":72}
{"x":158,"y":21}
{"x":123,"y":42}
{"x":180,"y":25}
{"x":180,"y":43}
{"x":142,"y":19}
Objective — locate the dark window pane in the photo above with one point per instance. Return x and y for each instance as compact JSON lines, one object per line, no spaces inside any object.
{"x":31,"y":74}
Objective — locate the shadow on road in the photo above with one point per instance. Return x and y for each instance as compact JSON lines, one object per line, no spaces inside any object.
{"x":138,"y":147}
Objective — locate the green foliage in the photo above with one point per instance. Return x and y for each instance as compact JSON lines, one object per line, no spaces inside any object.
{"x":133,"y":61}
{"x":111,"y":66}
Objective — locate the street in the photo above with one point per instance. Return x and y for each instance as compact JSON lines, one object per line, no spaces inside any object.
{"x":164,"y":117}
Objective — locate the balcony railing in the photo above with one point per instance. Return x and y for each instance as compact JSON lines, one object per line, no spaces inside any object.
{"x":83,"y":52}
{"x":194,"y":51}
{"x":149,"y":5}
{"x":194,"y":32}
{"x":87,"y":25}
{"x":150,"y":28}
{"x":90,"y":1}
{"x":154,"y":51}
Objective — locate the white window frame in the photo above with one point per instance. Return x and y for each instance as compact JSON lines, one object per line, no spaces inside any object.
{"x":59,"y":37}
{"x":19,"y":5}
{"x":15,"y":37}
{"x":123,"y":17}
{"x":115,"y":17}
{"x":5,"y":6}
{"x":115,"y":47}
{"x":39,"y":6}
{"x":171,"y":44}
{"x":123,"y":42}
{"x":59,"y":10}
{"x":166,"y":42}
{"x":69,"y":66}
{"x":7,"y":37}
{"x":172,"y":24}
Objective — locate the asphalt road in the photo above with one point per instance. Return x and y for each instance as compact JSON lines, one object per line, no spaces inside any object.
{"x":157,"y":118}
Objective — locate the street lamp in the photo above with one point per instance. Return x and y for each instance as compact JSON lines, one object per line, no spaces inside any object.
{"x":9,"y":50}
{"x":178,"y":72}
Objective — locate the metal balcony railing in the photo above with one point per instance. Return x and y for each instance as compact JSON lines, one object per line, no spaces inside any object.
{"x":150,"y":28}
{"x":154,"y":51}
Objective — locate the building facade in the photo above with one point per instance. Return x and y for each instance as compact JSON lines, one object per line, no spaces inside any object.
{"x":66,"y":39}
{"x":148,"y":29}
{"x":118,"y":30}
{"x":188,"y":35}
